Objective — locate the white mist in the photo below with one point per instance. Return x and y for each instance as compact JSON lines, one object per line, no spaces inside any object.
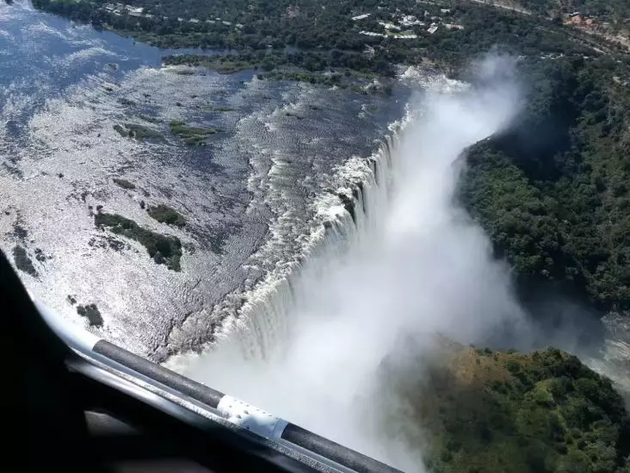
{"x":419,"y":266}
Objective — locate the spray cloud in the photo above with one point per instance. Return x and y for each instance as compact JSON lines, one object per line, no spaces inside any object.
{"x":419,"y":266}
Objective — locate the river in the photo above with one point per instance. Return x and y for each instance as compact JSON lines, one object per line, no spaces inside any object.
{"x":248,"y":196}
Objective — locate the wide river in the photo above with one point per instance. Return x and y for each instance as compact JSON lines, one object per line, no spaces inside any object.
{"x":250,"y":197}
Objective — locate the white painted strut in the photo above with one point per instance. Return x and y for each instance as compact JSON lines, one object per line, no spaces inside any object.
{"x":251,"y":418}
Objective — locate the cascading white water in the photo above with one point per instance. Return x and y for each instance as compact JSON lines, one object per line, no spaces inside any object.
{"x":409,"y":263}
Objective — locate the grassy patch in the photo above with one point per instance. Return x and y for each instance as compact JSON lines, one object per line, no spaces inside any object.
{"x":165,"y":214}
{"x":163,"y":249}
{"x":124,"y":183}
{"x":192,"y":135}
{"x":23,"y":262}
{"x":91,"y":312}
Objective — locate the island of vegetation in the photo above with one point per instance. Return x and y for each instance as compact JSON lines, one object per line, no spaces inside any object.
{"x":192,"y":135}
{"x":490,"y":412}
{"x":162,"y":249}
{"x":23,"y":262}
{"x":165,"y":214}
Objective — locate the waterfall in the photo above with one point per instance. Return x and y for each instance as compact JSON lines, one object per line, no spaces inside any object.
{"x":348,"y":215}
{"x":393,"y":258}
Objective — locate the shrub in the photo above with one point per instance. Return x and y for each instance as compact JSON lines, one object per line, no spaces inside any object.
{"x":91,"y":312}
{"x":165,"y":214}
{"x":162,"y":249}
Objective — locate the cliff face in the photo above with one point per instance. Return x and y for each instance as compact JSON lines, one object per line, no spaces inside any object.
{"x":487,"y":411}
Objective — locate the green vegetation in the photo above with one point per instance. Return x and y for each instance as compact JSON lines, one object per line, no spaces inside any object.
{"x":139,"y":132}
{"x":124,"y":183}
{"x":552,"y":192}
{"x":23,"y":262}
{"x":542,"y":412}
{"x":222,"y":64}
{"x":165,"y":214}
{"x":163,"y":249}
{"x":192,"y":135}
{"x":91,"y":312}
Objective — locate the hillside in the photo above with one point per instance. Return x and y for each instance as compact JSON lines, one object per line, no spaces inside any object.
{"x":490,"y":411}
{"x":552,"y":192}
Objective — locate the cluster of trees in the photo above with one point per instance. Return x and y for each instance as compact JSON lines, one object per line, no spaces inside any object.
{"x":268,"y":60}
{"x":541,"y":412}
{"x":161,"y":248}
{"x":323,"y":32}
{"x":553,"y":191}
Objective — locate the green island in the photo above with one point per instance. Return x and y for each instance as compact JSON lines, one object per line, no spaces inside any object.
{"x":491,"y":411}
{"x":162,"y":249}
{"x":192,"y":135}
{"x":552,"y":192}
{"x":165,"y":214}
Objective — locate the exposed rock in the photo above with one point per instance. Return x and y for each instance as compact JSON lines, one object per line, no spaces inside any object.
{"x":124,"y":183}
{"x":348,"y":204}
